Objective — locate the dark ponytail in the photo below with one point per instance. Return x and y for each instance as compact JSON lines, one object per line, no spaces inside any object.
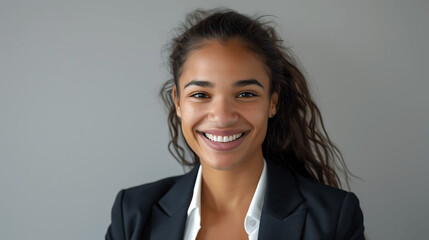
{"x":296,"y":136}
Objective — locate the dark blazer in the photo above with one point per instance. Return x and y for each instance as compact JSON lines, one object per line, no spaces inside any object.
{"x":294,"y":208}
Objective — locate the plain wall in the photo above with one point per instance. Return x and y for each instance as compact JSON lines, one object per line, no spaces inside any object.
{"x":80,"y":118}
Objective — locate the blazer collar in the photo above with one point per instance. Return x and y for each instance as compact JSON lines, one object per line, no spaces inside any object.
{"x":180,"y":195}
{"x":283,"y":213}
{"x":169,"y":216}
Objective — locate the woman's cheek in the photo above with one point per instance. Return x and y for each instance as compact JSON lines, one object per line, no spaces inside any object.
{"x":194,"y":111}
{"x":192,"y":115}
{"x":256,"y":114}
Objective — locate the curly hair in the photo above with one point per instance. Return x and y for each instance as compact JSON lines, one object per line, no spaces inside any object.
{"x":296,"y":136}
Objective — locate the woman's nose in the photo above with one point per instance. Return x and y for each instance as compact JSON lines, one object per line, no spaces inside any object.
{"x":223,"y":112}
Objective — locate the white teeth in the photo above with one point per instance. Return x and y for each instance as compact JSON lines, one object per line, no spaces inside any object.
{"x":224,"y":139}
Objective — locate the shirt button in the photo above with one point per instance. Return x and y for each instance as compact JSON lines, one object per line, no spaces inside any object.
{"x":252,"y":222}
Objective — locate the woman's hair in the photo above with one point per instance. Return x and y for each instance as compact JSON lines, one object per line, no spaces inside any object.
{"x":296,"y":136}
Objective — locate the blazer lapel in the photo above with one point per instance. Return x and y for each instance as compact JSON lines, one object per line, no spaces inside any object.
{"x":283,"y":214}
{"x":169,"y":215}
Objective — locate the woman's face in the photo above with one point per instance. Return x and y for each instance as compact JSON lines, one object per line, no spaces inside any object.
{"x":224,"y":104}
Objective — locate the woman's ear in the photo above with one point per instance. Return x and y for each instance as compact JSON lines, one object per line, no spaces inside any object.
{"x":176,"y":101}
{"x":273,"y":105}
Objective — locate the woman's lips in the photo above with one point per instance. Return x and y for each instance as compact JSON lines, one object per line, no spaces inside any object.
{"x":223,"y":140}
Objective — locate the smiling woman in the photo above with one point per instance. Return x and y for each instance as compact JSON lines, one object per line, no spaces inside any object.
{"x":230,"y":100}
{"x":263,"y":165}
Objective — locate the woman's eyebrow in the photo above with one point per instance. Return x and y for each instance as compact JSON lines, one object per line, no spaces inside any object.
{"x":240,"y":83}
{"x":247,"y":82}
{"x":199,"y":83}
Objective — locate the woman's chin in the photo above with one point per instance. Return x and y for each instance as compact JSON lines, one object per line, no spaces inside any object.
{"x":221,"y":163}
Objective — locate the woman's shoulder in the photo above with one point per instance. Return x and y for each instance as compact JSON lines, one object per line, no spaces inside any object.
{"x":149,"y":192}
{"x":330,"y":203}
{"x":311,"y":187}
{"x":146,"y":195}
{"x":133,"y":206}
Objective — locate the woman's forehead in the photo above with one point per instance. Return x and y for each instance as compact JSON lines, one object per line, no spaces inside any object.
{"x":220,"y":62}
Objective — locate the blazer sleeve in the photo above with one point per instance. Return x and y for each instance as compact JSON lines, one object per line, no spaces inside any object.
{"x":116,"y":228}
{"x":350,"y":221}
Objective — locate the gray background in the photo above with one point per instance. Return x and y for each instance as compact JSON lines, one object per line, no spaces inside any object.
{"x":80,"y":118}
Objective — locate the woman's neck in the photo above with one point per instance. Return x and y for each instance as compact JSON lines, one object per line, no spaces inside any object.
{"x":232,"y":189}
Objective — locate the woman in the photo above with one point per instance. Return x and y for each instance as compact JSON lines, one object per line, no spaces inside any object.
{"x":263,"y":165}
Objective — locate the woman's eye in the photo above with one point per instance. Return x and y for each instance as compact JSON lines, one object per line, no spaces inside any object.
{"x":246,"y":95}
{"x":199,"y":95}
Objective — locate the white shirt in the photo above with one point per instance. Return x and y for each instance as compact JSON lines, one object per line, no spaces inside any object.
{"x":253,"y":216}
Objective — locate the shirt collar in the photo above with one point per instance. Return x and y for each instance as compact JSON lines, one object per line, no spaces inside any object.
{"x":253,"y":216}
{"x":196,"y":197}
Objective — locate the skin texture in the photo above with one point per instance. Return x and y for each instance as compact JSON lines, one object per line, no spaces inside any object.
{"x":214,"y":97}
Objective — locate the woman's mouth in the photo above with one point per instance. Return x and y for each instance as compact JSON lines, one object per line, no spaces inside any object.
{"x":223,"y":139}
